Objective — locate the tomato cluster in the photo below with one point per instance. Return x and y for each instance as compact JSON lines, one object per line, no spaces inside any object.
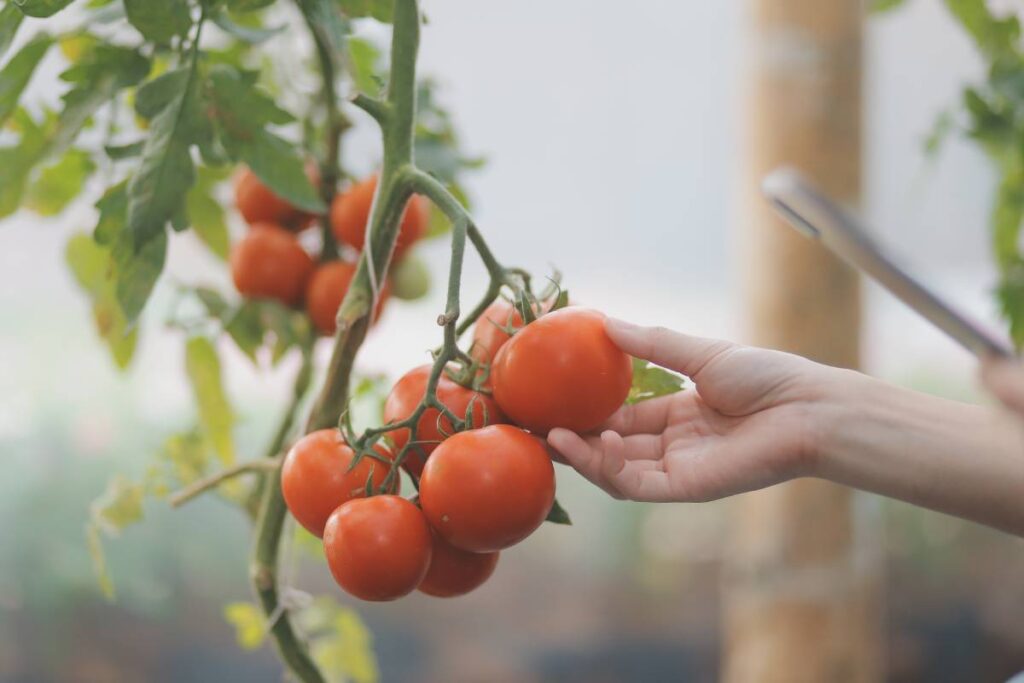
{"x":270,"y":262}
{"x":482,"y":489}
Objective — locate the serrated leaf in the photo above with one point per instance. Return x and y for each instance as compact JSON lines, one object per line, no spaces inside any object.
{"x":18,"y":72}
{"x":10,"y":20}
{"x":206,"y":215}
{"x":99,"y":560}
{"x":41,"y":8}
{"x":138,"y":269}
{"x":558,"y":515}
{"x":188,"y":455}
{"x":995,"y":37}
{"x":215,"y":415}
{"x":250,"y":626}
{"x":651,"y":381}
{"x":59,"y":184}
{"x":119,"y":506}
{"x":381,"y":10}
{"x":159,"y":21}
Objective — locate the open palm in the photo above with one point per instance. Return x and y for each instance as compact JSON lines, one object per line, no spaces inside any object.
{"x":743,"y":428}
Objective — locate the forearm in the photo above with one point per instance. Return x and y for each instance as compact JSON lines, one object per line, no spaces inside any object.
{"x":960,"y":459}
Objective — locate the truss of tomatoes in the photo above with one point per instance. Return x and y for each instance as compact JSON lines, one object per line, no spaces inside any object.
{"x":269,"y":262}
{"x":481,"y":490}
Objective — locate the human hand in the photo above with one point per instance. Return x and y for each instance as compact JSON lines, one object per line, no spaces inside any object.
{"x":747,"y":425}
{"x":1005,"y":379}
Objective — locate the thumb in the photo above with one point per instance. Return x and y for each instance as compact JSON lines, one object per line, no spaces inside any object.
{"x":664,"y":347}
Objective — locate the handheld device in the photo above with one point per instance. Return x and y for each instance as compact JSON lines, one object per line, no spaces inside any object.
{"x":818,"y":217}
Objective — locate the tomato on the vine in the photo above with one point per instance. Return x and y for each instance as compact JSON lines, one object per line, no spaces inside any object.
{"x":489,"y":333}
{"x":561,"y":370}
{"x":455,"y":572}
{"x":325,"y":291}
{"x":269,"y":263}
{"x":259,"y":204}
{"x":488,"y":489}
{"x":316,"y":479}
{"x":406,"y":395}
{"x":378,"y":548}
{"x":350,"y":211}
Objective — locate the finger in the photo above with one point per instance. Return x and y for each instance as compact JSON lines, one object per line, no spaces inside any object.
{"x":646,"y":417}
{"x":637,"y":480}
{"x":585,"y":458}
{"x":613,"y":458}
{"x":661,"y":346}
{"x":1005,"y":379}
{"x":643,"y":447}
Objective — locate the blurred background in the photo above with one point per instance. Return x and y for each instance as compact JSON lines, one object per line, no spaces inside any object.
{"x":613,"y":144}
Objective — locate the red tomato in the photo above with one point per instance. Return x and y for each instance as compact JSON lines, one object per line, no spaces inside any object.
{"x":456,"y":572}
{"x":315,"y":478}
{"x":409,"y":391}
{"x":561,"y":371}
{"x":488,"y":489}
{"x":378,"y":548}
{"x":325,"y":291}
{"x":350,"y":211}
{"x":489,"y":332}
{"x":258,"y":204}
{"x":269,"y":263}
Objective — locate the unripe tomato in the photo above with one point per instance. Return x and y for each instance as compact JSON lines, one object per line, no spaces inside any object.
{"x":489,"y":332}
{"x":325,"y":291}
{"x":561,"y":370}
{"x":407,"y":394}
{"x":350,"y":211}
{"x":269,"y":263}
{"x":378,"y":548}
{"x":315,"y":477}
{"x":488,"y":489}
{"x":455,"y":572}
{"x":257,"y":203}
{"x":410,"y":278}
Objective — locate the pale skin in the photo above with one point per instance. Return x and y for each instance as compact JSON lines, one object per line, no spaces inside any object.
{"x":755,"y":418}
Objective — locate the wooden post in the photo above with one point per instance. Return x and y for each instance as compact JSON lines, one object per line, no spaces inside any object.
{"x":801,"y":576}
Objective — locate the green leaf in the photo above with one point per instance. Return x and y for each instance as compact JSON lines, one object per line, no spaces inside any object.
{"x":381,"y":10}
{"x":17,"y":161}
{"x":248,"y":5}
{"x":125,"y":151}
{"x":206,"y":215}
{"x":10,"y":20}
{"x":119,"y":506}
{"x":138,"y":269}
{"x":364,"y":66}
{"x":651,"y":381}
{"x":188,"y":455}
{"x":92,"y":266}
{"x":880,"y":6}
{"x":558,"y":515}
{"x":159,"y":21}
{"x":99,"y":560}
{"x":246,"y":34}
{"x":215,"y":415}
{"x":18,"y":72}
{"x":157,"y":189}
{"x":113,"y":208}
{"x":60,"y":183}
{"x":995,"y":37}
{"x":250,"y":626}
{"x":343,"y":648}
{"x":245,"y":326}
{"x":41,"y":8}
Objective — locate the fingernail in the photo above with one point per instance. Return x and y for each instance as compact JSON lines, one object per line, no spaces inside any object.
{"x":617,"y":325}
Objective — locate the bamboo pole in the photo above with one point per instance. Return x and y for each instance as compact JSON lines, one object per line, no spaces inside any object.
{"x":801,"y":580}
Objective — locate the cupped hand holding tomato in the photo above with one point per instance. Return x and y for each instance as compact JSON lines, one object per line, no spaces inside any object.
{"x":316,"y":479}
{"x":406,"y":395}
{"x":561,"y":370}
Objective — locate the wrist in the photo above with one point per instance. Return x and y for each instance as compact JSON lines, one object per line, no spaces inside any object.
{"x":835,"y":413}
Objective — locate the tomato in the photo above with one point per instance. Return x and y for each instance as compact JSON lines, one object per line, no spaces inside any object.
{"x":315,"y":477}
{"x":406,"y":395}
{"x":325,"y":291}
{"x":350,"y":212}
{"x":456,"y":572}
{"x":561,"y":370}
{"x":488,"y":489}
{"x":378,"y":548}
{"x":489,"y":332}
{"x":410,"y":278}
{"x":258,"y":204}
{"x":269,"y":263}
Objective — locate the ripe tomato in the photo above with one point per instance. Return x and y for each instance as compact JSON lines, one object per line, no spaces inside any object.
{"x":257,"y":203}
{"x":315,"y":477}
{"x":487,"y":489}
{"x":489,"y":332}
{"x":455,"y":572}
{"x":406,"y":395}
{"x":350,"y":212}
{"x":269,"y":263}
{"x":378,"y":548}
{"x":561,"y":371}
{"x":325,"y":291}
